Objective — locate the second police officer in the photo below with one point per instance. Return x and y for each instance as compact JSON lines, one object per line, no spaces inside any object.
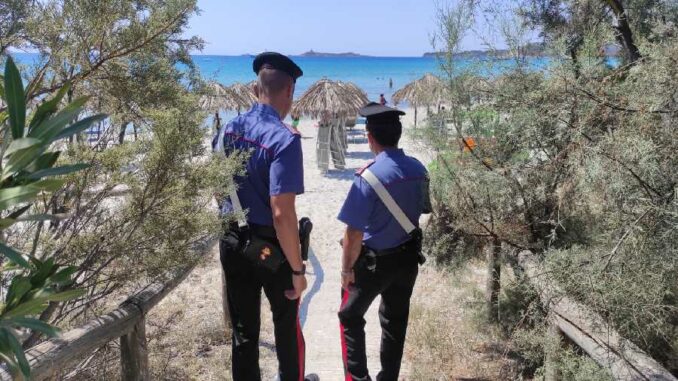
{"x":381,"y":245}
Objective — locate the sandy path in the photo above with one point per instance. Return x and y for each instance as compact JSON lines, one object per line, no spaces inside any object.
{"x":321,"y":202}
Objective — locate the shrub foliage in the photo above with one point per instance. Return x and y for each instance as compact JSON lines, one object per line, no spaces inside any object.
{"x":575,"y":161}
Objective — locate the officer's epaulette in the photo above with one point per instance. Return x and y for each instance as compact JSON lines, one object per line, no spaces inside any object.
{"x":292,"y":130}
{"x":361,"y":170}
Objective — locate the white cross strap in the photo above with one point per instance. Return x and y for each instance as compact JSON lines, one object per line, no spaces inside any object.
{"x":390,"y":203}
{"x":233,"y":195}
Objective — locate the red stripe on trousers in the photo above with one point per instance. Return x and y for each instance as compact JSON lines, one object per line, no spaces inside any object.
{"x":344,"y":351}
{"x":301,"y":347}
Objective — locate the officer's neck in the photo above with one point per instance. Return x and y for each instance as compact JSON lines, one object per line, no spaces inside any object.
{"x":378,"y":148}
{"x":278,"y":106}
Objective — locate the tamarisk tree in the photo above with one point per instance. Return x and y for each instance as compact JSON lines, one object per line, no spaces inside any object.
{"x":575,"y":161}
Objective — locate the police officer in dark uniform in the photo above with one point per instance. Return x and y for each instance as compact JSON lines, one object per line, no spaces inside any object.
{"x":382,"y":245}
{"x":263,"y":250}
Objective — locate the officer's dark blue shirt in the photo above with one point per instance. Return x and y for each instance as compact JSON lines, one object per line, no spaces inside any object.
{"x":406,"y":179}
{"x":275,"y":164}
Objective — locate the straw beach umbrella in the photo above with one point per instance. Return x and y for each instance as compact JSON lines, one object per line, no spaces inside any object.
{"x":359,"y":98}
{"x":216,"y":97}
{"x":406,"y":93}
{"x":331,"y":102}
{"x":339,"y":99}
{"x":428,"y":90}
{"x":245,"y":93}
{"x":357,"y":95}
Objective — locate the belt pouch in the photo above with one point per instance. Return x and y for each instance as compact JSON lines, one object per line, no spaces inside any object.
{"x":264,"y":253}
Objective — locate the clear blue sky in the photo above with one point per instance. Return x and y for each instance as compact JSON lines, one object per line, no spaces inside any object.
{"x":371,"y":27}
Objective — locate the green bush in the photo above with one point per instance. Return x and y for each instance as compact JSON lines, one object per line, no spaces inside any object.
{"x":577,"y":163}
{"x":28,"y":170}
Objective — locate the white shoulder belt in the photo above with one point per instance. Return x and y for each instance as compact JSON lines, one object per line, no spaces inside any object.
{"x":390,"y":203}
{"x":233,"y":195}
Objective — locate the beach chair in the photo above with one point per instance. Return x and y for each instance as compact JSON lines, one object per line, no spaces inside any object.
{"x":330,"y":144}
{"x":349,"y":127}
{"x":358,"y":130}
{"x":322,"y":147}
{"x":338,"y":145}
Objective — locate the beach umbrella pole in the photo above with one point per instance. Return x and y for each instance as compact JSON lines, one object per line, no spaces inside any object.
{"x":415,"y":116}
{"x":217,"y":122}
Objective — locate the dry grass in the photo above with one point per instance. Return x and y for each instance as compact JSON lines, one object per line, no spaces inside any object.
{"x":187,"y":338}
{"x":447,"y":339}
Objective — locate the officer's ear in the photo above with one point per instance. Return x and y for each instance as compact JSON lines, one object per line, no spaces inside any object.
{"x":370,"y":140}
{"x":290,"y":90}
{"x":256,"y":89}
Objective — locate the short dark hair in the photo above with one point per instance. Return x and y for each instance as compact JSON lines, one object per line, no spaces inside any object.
{"x":271,"y":81}
{"x":386,"y":134}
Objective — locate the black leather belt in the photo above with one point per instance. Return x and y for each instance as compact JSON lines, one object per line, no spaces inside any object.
{"x":263,"y":231}
{"x":400,"y":249}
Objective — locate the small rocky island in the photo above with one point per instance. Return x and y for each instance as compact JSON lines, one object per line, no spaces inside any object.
{"x":312,"y":53}
{"x":531,"y":50}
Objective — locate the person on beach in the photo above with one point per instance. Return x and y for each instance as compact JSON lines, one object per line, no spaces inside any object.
{"x":382,"y":100}
{"x":381,"y":245}
{"x":295,"y":122}
{"x":262,"y":250}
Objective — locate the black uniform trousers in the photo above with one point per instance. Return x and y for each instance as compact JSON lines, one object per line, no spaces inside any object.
{"x":244,"y":282}
{"x":393,"y":278}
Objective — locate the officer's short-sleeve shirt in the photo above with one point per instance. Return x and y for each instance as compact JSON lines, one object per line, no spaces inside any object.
{"x":275,"y":163}
{"x":406,"y":179}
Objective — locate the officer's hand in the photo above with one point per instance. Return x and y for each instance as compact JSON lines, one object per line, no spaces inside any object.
{"x":299,"y":283}
{"x":347,"y":279}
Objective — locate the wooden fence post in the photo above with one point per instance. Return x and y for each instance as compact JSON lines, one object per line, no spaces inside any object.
{"x":134,"y":354}
{"x":493,"y":282}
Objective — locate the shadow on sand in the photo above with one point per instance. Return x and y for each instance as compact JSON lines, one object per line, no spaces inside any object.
{"x":319,"y":274}
{"x":341,"y":174}
{"x":369,"y":156}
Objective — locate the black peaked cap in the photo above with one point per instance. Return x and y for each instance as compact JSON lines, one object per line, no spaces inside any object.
{"x":379,"y":114}
{"x":278,"y":62}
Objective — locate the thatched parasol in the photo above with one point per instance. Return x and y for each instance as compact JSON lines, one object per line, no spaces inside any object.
{"x":217,"y":97}
{"x":428,"y":90}
{"x":327,"y":97}
{"x":245,"y":93}
{"x":358,"y":96}
{"x":333,"y":102}
{"x":406,"y":94}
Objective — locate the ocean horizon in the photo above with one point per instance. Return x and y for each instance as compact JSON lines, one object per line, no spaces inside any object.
{"x":372,"y":74}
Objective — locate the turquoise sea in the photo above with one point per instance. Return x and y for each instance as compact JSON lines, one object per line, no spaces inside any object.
{"x":372,"y":74}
